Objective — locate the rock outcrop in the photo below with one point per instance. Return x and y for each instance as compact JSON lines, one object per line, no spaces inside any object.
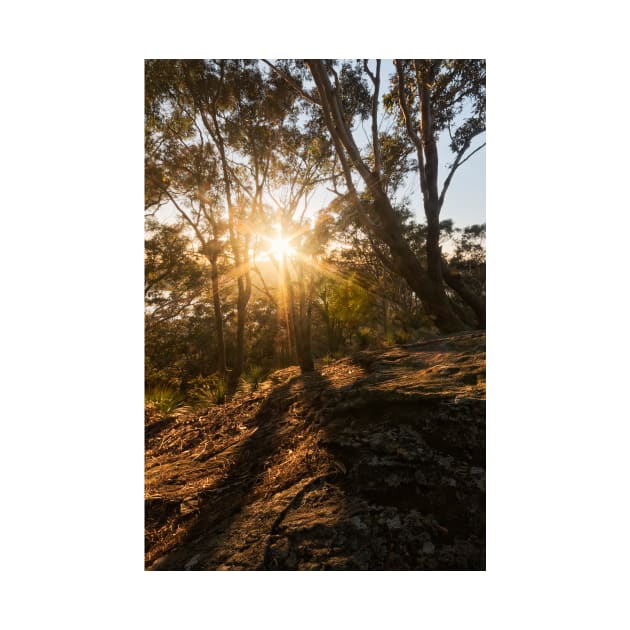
{"x":375,"y":462}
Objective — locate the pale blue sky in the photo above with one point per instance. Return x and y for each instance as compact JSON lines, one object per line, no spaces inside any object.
{"x":465,"y":201}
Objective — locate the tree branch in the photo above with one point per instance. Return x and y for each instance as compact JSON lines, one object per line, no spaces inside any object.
{"x":265,"y":289}
{"x":423,"y":84}
{"x":411,"y":132}
{"x":293,"y":84}
{"x":458,"y":162}
{"x":376,"y":80}
{"x":182,"y":212}
{"x":154,"y":321}
{"x":474,"y":301}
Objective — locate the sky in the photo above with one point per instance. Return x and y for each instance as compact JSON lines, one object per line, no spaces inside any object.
{"x":465,"y":201}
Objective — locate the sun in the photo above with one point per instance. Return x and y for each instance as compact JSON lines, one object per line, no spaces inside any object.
{"x":281,"y":247}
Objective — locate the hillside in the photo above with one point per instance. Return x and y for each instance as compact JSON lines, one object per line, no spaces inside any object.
{"x":376,"y":462}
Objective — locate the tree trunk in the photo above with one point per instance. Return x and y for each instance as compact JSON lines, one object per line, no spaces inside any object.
{"x":241,"y":313}
{"x":428,"y":287}
{"x":300,"y":322}
{"x":292,"y":332}
{"x":429,"y":290}
{"x":218,"y":319}
{"x":306,"y":360}
{"x":476,"y":302}
{"x":384,"y":305}
{"x":303,"y":342}
{"x":304,"y":351}
{"x":333,"y":334}
{"x":306,"y":355}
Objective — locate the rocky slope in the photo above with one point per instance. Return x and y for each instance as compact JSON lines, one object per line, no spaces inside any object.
{"x":376,"y":462}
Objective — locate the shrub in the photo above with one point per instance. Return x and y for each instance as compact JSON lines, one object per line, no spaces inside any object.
{"x":327,"y":359}
{"x":253,"y":376}
{"x":164,"y":400}
{"x":208,"y":391}
{"x":364,"y":336}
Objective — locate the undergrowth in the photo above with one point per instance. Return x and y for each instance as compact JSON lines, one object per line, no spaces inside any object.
{"x":164,"y":400}
{"x":252,"y":377}
{"x":208,"y":391}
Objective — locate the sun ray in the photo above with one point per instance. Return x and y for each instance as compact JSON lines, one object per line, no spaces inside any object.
{"x":281,"y":247}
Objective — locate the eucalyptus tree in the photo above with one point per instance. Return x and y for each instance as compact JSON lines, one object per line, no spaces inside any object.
{"x":251,"y":117}
{"x":302,"y":162}
{"x":181,"y":170}
{"x":226,"y":116}
{"x":426,"y":98}
{"x":174,"y":280}
{"x":178,"y":312}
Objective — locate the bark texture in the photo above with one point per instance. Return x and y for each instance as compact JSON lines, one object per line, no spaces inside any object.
{"x":379,"y":219}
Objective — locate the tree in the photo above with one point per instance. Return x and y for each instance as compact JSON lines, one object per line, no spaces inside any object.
{"x":235,"y":151}
{"x":427,"y":98}
{"x":177,"y":308}
{"x":343,"y":305}
{"x":469,"y":257}
{"x":181,"y":169}
{"x":173,"y":281}
{"x":244,"y":114}
{"x":301,"y":162}
{"x":212,"y":128}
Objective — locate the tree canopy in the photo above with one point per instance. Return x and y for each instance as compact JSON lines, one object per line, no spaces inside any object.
{"x":244,"y":270}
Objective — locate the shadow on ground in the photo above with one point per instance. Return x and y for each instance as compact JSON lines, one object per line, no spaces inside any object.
{"x":374,"y":463}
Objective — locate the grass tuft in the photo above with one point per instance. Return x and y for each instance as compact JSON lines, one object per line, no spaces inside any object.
{"x":208,"y":391}
{"x":165,"y":401}
{"x":253,"y":376}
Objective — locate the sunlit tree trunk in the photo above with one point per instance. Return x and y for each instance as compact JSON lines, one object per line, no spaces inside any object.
{"x":241,"y":314}
{"x":305,"y":353}
{"x":299,"y":318}
{"x":218,"y":318}
{"x":286,"y":306}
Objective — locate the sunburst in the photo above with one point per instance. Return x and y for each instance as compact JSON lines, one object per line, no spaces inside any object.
{"x":281,"y":247}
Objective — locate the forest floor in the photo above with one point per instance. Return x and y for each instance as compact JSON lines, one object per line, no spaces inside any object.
{"x":374,"y":462}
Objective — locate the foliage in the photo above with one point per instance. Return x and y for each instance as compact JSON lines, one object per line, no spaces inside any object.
{"x":456,"y":86}
{"x":328,"y":359}
{"x":253,"y":376}
{"x":208,"y":391}
{"x":469,"y":257}
{"x":343,"y":305}
{"x":470,"y":251}
{"x":234,"y":151}
{"x":165,"y":401}
{"x":174,"y":279}
{"x":426,"y":97}
{"x":364,"y":335}
{"x":177,"y":350}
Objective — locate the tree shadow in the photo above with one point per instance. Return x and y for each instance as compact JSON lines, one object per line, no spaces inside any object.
{"x":392,"y":483}
{"x":218,"y":512}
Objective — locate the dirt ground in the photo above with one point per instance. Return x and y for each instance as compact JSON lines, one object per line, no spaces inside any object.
{"x":374,"y":462}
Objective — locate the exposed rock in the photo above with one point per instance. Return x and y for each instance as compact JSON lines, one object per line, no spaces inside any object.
{"x":376,"y":462}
